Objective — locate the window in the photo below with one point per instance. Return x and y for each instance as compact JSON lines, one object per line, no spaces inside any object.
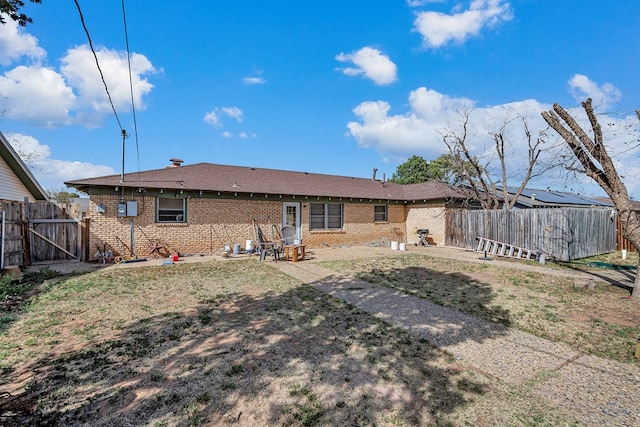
{"x":171,"y":210}
{"x":380,"y":213}
{"x":325,"y":216}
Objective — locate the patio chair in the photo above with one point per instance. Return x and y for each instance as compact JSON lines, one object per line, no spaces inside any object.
{"x":288,"y":235}
{"x":265,"y":247}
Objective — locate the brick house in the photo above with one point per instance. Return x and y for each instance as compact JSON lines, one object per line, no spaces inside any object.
{"x":202,"y":208}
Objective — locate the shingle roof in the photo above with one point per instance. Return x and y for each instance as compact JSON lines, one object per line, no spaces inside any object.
{"x":634,"y":203}
{"x":225,"y":178}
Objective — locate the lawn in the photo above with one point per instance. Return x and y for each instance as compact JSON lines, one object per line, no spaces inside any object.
{"x":599,"y":321}
{"x":240,"y":343}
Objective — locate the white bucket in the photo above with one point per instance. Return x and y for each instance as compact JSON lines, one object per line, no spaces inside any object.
{"x":394,"y":246}
{"x":403,"y":246}
{"x":249,"y":246}
{"x":624,"y":254}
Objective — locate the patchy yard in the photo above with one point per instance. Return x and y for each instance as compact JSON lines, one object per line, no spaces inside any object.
{"x":240,"y":343}
{"x":601,"y":321}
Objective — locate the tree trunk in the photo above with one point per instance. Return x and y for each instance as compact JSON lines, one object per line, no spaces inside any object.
{"x":598,"y":165}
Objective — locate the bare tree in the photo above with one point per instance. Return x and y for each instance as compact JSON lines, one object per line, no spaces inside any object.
{"x":474,"y":175}
{"x":479,"y":176}
{"x":592,"y":155}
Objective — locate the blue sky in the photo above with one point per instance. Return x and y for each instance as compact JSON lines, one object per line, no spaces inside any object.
{"x":337,"y":87}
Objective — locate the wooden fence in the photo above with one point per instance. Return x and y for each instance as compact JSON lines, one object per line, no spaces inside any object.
{"x":12,"y":234}
{"x":623,"y":243}
{"x":560,"y":233}
{"x":40,"y":231}
{"x":54,"y":232}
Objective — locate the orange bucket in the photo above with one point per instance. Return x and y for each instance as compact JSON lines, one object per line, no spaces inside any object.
{"x":174,"y":257}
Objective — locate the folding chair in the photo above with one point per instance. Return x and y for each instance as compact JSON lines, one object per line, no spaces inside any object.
{"x":264,"y":247}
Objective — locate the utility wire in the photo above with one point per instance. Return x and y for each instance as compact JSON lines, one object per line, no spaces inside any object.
{"x":133,"y":105}
{"x":98,"y":65}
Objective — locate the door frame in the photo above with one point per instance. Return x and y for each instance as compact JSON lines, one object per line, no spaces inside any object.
{"x":298,"y":226}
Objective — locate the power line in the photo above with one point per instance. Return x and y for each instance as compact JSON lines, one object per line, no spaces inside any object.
{"x":133,"y":104}
{"x":95,"y":56}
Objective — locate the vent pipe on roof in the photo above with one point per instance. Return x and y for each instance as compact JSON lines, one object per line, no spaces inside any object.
{"x":176,"y":163}
{"x":375,"y":170}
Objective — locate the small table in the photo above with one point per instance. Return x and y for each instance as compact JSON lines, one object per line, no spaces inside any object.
{"x":294,"y":253}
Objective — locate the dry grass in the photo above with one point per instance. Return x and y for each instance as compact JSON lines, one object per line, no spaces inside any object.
{"x":240,"y":343}
{"x":601,"y":321}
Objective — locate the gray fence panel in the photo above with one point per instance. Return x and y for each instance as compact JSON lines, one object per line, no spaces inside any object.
{"x":560,"y":233}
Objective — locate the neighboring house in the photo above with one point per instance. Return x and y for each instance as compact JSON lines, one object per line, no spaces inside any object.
{"x":203,"y":207}
{"x":16,"y":181}
{"x":535,"y":198}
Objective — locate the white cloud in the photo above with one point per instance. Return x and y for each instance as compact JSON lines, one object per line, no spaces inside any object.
{"x":226,"y":134}
{"x":28,"y":148}
{"x":37,"y":95}
{"x":254,"y":80}
{"x":213,"y":116}
{"x":75,"y":95}
{"x":418,"y":3}
{"x":603,"y":96}
{"x":80,"y":70}
{"x":438,"y":29}
{"x":233,"y":112}
{"x":371,"y":63}
{"x":51,"y":173}
{"x":419,"y":131}
{"x":15,"y":43}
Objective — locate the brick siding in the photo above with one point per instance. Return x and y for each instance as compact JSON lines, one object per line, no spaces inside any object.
{"x":213,"y":224}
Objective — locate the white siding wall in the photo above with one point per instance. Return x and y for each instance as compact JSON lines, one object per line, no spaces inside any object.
{"x":11,"y":188}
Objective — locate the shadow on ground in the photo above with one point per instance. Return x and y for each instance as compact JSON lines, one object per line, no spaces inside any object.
{"x":291,"y":358}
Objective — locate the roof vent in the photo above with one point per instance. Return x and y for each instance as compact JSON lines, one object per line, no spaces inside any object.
{"x":375,"y":170}
{"x":176,"y":163}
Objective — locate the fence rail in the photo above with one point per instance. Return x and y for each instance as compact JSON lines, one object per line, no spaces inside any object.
{"x":39,"y":231}
{"x":560,"y":233}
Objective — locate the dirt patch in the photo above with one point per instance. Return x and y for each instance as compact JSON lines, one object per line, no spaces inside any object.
{"x":217,"y":343}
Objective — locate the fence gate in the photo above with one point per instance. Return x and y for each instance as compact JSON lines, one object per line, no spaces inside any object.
{"x":54,"y":233}
{"x":34,"y":232}
{"x":13,"y":238}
